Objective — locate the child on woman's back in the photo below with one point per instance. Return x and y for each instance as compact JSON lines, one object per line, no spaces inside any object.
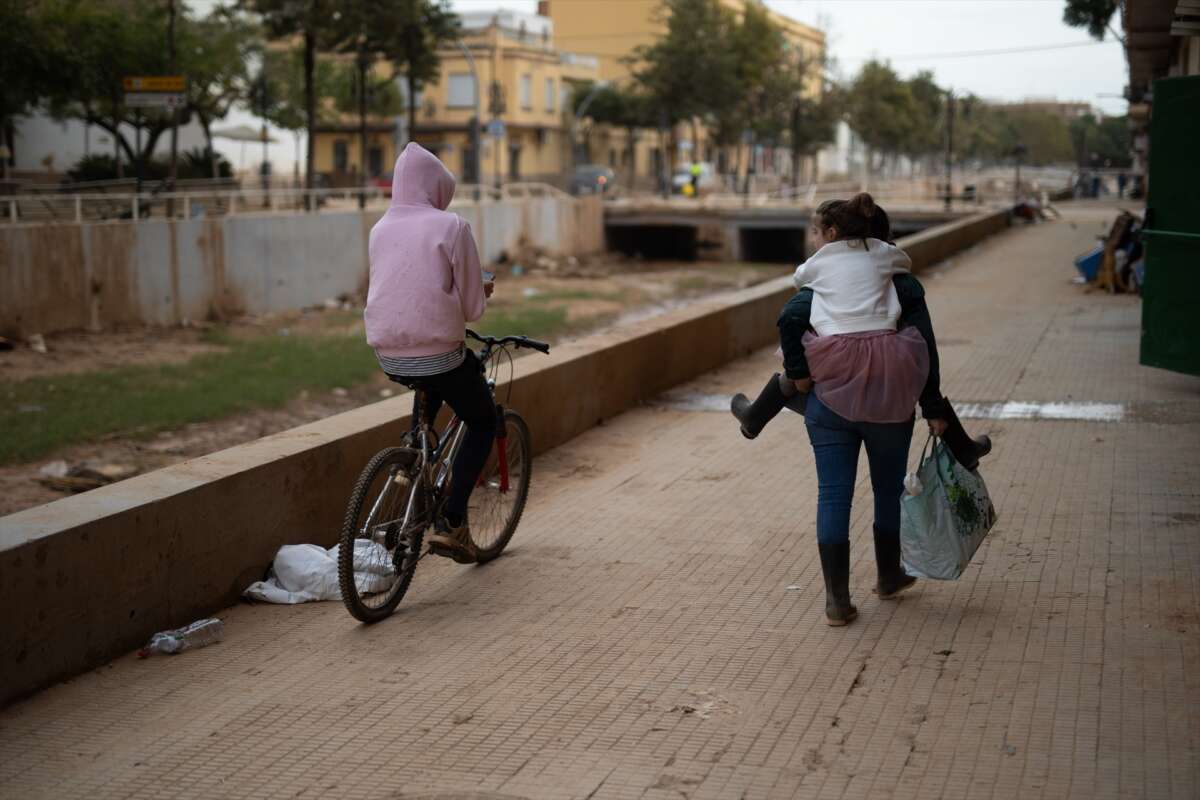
{"x":865,"y":364}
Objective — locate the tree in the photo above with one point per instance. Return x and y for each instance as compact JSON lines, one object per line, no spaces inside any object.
{"x":1091,"y":14}
{"x":316,"y":23}
{"x":215,"y":51}
{"x":881,"y":109}
{"x":929,"y":107}
{"x":106,"y":44}
{"x":768,"y":76}
{"x":278,"y":93}
{"x":813,"y":124}
{"x":690,"y":71}
{"x":409,"y":34}
{"x":35,"y":62}
{"x":1100,"y":142}
{"x":614,"y":105}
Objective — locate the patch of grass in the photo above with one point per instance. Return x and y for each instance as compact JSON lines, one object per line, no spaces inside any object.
{"x":699,"y":283}
{"x":538,"y":322}
{"x":266,"y":370}
{"x":40,"y":414}
{"x":563,"y":295}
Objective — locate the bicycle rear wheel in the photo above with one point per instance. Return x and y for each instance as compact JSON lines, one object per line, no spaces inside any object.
{"x":378,"y":550}
{"x":495,"y":509}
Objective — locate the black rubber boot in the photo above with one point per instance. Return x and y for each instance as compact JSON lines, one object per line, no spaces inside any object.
{"x":835,"y":565}
{"x":892,"y":578}
{"x":755,"y":416}
{"x":967,"y":451}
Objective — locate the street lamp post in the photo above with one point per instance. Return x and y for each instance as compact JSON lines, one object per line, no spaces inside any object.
{"x":474,"y":123}
{"x":949,"y":147}
{"x":364,"y":62}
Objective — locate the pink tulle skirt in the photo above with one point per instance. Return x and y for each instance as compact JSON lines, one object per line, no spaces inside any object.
{"x":875,"y":376}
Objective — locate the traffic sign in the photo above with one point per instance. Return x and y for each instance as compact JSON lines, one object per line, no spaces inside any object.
{"x":496,"y":128}
{"x":155,"y":99}
{"x":155,"y":83}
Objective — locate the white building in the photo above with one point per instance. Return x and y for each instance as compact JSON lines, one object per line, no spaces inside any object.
{"x":46,"y":145}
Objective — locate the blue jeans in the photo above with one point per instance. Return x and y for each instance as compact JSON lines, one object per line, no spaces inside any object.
{"x":836,"y":442}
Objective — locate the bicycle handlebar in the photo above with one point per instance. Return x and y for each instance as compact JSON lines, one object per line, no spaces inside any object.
{"x":518,"y":341}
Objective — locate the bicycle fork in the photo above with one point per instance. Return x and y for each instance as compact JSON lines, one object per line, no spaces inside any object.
{"x":501,"y":449}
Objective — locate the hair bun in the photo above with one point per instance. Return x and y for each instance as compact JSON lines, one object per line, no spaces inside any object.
{"x":861,"y":204}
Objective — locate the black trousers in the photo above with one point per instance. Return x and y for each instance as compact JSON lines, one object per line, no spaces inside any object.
{"x":465,"y":390}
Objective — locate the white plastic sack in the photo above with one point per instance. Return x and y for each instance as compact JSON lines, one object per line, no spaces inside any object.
{"x":942,"y":526}
{"x":303,"y":573}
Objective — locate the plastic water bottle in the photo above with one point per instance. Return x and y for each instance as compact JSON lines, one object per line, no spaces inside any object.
{"x":199,"y":634}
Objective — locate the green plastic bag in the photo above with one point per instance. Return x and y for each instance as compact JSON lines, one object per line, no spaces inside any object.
{"x":943,"y":524}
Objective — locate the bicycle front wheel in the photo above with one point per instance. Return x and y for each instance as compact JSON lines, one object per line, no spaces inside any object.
{"x":497,"y":503}
{"x":381,"y":535}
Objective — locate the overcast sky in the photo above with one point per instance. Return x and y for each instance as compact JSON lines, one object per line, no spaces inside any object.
{"x":951,"y":38}
{"x":933,"y":34}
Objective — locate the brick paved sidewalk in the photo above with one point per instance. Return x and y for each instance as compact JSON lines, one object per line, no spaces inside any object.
{"x":640,"y":638}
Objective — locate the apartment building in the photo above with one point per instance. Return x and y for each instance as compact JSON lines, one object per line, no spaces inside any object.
{"x":505,"y":72}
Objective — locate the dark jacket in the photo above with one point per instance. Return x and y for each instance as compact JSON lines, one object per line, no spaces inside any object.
{"x":793,"y":323}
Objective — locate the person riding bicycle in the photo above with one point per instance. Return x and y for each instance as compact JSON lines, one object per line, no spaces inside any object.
{"x":426,"y":284}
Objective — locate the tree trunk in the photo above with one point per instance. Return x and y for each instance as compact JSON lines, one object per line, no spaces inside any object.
{"x":208,"y":147}
{"x":412,"y":107}
{"x":3,"y":143}
{"x":362,"y":127}
{"x":116,"y":128}
{"x":631,"y":147}
{"x":310,"y":111}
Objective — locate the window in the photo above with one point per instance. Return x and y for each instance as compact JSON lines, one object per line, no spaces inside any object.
{"x":550,"y":98}
{"x":564,"y":95}
{"x":460,"y":91}
{"x":341,"y":156}
{"x":527,"y":92}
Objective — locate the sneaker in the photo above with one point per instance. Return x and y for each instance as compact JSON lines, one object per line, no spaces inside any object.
{"x":454,"y":543}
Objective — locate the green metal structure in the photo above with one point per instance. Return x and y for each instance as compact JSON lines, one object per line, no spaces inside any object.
{"x":1171,"y":294}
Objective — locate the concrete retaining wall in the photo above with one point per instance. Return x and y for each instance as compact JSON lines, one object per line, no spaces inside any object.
{"x":161,"y":272}
{"x":89,"y":577}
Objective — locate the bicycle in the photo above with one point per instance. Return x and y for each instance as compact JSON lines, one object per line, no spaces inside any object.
{"x":402,"y":489}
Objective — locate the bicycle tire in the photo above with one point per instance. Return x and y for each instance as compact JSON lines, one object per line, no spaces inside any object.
{"x":358,"y":604}
{"x":518,"y":434}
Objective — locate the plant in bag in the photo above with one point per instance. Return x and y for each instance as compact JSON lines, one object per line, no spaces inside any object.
{"x":944,"y":517}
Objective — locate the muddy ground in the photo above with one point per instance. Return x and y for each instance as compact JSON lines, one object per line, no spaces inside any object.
{"x":596,"y":293}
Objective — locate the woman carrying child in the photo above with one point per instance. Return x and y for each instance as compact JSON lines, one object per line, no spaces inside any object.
{"x":858,"y":334}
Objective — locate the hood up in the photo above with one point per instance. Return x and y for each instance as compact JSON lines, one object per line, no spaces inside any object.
{"x":421,"y":179}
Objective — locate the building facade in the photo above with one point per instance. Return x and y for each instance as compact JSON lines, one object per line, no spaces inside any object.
{"x":508,"y":77}
{"x":1162,"y":40}
{"x":591,"y":26}
{"x":515,"y":74}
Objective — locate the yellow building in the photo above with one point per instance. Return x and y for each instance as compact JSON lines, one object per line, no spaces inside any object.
{"x":527,"y":66}
{"x":612,"y":29}
{"x":524,"y":84}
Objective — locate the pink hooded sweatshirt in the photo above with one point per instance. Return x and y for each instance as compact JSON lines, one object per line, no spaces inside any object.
{"x":426,"y":282}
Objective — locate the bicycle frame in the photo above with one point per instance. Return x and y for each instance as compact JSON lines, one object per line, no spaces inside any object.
{"x":436,"y":455}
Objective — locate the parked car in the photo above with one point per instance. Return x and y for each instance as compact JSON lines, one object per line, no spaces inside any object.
{"x":593,"y":179}
{"x":383,"y":181}
{"x":683,"y":177}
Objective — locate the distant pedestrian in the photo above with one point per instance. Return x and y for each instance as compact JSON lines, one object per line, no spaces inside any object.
{"x":696,"y":172}
{"x":1122,"y":180}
